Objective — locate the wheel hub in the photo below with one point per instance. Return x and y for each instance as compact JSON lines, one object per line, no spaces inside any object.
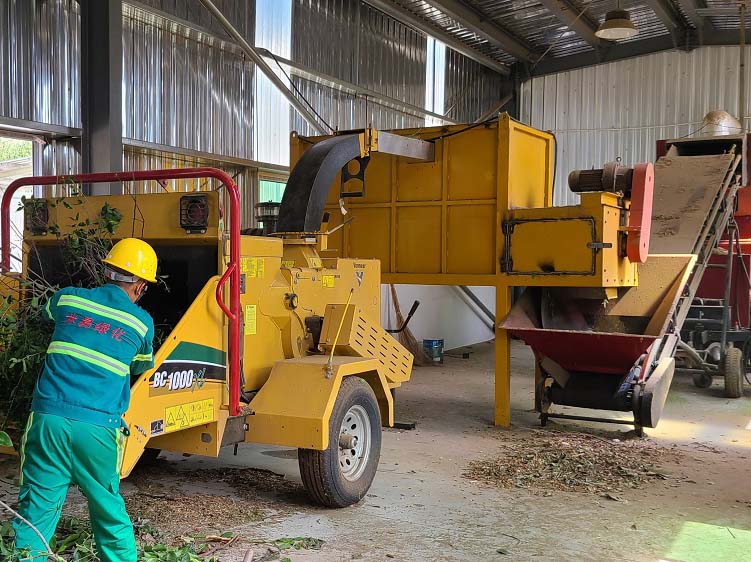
{"x":354,"y":443}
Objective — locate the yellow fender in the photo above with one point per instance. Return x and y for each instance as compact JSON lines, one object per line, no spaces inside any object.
{"x":293,"y":408}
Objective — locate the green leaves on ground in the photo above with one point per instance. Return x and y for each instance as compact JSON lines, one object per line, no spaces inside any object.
{"x":74,"y":542}
{"x":307,"y":543}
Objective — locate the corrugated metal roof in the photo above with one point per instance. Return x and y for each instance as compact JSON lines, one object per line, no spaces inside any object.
{"x":728,"y":21}
{"x":645,"y":20}
{"x":535,"y":25}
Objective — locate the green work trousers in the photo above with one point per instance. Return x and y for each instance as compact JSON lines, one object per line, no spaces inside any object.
{"x":57,"y":452}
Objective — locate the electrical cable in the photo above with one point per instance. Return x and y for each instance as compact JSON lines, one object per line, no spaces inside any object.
{"x":555,"y":160}
{"x":464,"y":130}
{"x":696,"y":131}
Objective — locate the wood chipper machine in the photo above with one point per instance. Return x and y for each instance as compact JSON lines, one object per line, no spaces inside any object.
{"x":634,"y":333}
{"x":598,"y":309}
{"x":264,"y":343}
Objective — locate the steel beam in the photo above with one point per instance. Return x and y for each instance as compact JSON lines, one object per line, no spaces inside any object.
{"x":482,"y":26}
{"x":36,"y":128}
{"x":406,"y":147}
{"x":406,"y":17}
{"x":691,"y":9}
{"x":628,"y":50}
{"x":261,"y":64}
{"x":616,"y":52}
{"x":205,"y":158}
{"x":101,"y":90}
{"x":495,"y":110}
{"x":672,"y":21}
{"x":306,"y":73}
{"x":581,"y":25}
{"x":143,"y":11}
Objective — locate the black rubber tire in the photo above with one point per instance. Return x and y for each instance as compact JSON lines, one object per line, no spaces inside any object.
{"x":702,"y":380}
{"x":320,"y":470}
{"x":733,"y":370}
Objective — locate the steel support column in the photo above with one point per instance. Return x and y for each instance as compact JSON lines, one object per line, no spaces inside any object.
{"x":502,"y":410}
{"x":101,"y":90}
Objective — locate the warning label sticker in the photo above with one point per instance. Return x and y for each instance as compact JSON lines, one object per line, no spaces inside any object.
{"x":250,"y":319}
{"x":329,"y":281}
{"x":315,"y":262}
{"x":253,"y":267}
{"x":188,"y":415}
{"x":288,"y":263}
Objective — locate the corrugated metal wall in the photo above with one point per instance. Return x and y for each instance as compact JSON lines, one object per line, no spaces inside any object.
{"x":363,"y":46}
{"x":40,"y":61}
{"x":471,"y":89}
{"x":239,"y":12}
{"x":184,"y":89}
{"x":620,"y":109}
{"x":191,"y":89}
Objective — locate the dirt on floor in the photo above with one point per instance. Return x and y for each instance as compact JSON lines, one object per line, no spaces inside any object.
{"x":458,"y":489}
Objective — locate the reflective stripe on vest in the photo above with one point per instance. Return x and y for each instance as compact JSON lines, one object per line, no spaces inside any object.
{"x":90,"y":356}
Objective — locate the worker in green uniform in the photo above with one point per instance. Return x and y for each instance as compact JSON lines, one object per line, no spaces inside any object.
{"x":75,"y":430}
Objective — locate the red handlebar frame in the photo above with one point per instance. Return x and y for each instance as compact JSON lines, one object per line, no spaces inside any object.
{"x":233,"y":267}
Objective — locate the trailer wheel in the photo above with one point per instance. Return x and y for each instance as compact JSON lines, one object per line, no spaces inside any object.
{"x":702,"y":380}
{"x":733,"y":368}
{"x":342,"y":474}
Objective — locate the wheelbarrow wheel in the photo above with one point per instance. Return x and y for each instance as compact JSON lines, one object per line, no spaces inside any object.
{"x":702,"y":380}
{"x":733,"y":368}
{"x":341,"y":474}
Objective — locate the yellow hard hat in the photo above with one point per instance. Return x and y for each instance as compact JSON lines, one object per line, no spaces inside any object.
{"x":133,"y":256}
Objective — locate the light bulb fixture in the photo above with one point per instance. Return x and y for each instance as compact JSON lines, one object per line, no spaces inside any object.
{"x":617,"y":25}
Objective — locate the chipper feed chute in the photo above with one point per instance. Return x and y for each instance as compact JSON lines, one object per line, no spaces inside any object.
{"x":613,"y":348}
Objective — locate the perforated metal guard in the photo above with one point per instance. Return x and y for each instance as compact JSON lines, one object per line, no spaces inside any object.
{"x":359,"y":337}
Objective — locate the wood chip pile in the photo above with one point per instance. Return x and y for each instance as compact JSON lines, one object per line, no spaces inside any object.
{"x":549,"y":461}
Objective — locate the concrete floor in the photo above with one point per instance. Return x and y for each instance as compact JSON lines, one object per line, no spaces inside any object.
{"x":421,"y":508}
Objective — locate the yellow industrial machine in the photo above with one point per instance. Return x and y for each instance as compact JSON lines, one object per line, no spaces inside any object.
{"x":299,"y":358}
{"x":480,"y":212}
{"x":315,"y":370}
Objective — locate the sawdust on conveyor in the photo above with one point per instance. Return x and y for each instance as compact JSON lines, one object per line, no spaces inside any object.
{"x":552,"y":461}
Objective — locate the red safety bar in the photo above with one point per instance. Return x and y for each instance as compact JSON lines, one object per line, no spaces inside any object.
{"x":233,"y":267}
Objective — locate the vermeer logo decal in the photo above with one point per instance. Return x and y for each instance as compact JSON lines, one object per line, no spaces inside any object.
{"x":157,"y":427}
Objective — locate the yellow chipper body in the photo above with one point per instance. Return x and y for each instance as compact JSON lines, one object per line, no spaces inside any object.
{"x":599,"y":310}
{"x":295,"y":311}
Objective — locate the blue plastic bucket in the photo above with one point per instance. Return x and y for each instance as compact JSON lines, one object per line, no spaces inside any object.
{"x":434,"y":350}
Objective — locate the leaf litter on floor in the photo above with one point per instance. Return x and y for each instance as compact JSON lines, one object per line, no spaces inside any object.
{"x":555,"y":461}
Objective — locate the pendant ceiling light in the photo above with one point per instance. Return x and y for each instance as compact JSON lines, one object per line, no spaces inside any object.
{"x":617,"y":25}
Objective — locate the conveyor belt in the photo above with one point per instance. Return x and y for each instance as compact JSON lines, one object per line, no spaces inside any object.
{"x":693,"y":204}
